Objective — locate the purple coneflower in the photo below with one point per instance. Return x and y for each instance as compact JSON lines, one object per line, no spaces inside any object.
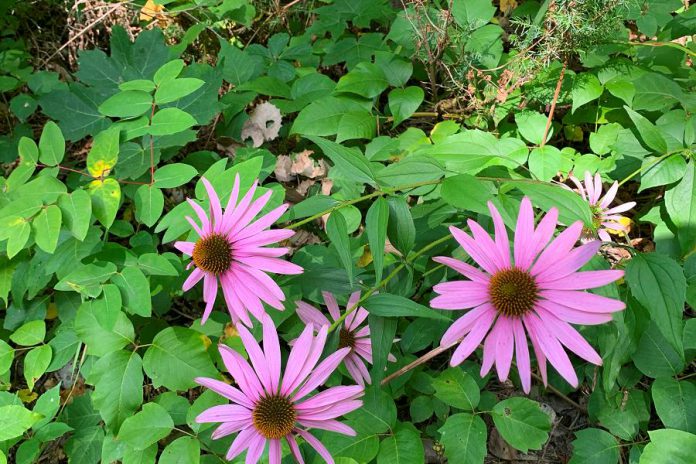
{"x":539,"y":293}
{"x":230,"y":250}
{"x":267,"y":407}
{"x":604,"y":219}
{"x":351,"y":335}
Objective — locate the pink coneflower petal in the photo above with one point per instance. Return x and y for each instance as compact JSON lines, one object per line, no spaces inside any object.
{"x":232,"y":201}
{"x":294,"y":449}
{"x":317,"y":445}
{"x":255,"y":450}
{"x":274,"y":452}
{"x":504,"y":348}
{"x":185,"y":247}
{"x":361,"y":376}
{"x":570,"y":338}
{"x":228,"y":391}
{"x":472,"y":340}
{"x":264,"y":222}
{"x":307,"y":356}
{"x":461,"y":326}
{"x":552,"y":349}
{"x":597,"y":188}
{"x":544,"y":231}
{"x":240,"y":209}
{"x":311,"y":315}
{"x":465,"y":269}
{"x":609,"y":196}
{"x":589,"y":186}
{"x":359,"y":316}
{"x":483,"y":240}
{"x":193,"y":278}
{"x":522,"y":355}
{"x":257,"y":358}
{"x":579,"y":186}
{"x":502,"y":242}
{"x":328,"y":424}
{"x":459,"y":295}
{"x":566,"y":265}
{"x":523,"y":237}
{"x":621,"y":208}
{"x":331,"y":305}
{"x":573,"y":315}
{"x":251,"y":212}
{"x":583,"y":280}
{"x":560,"y":246}
{"x":243,"y":374}
{"x":241,"y":442}
{"x":195,"y":226}
{"x":473,"y":250}
{"x":321,"y":373}
{"x":330,"y":397}
{"x":228,"y":428}
{"x":584,"y":301}
{"x":224,"y":413}
{"x":215,"y":208}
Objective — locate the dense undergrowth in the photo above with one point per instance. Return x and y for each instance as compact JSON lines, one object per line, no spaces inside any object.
{"x":381,"y":124}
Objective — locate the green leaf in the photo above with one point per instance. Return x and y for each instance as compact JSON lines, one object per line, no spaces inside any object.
{"x":350,"y":161}
{"x":571,"y":206}
{"x":107,"y":308}
{"x":337,"y":231}
{"x":77,"y":212}
{"x":47,"y":405}
{"x":85,"y":445}
{"x":532,"y":126}
{"x":586,"y":88}
{"x":35,"y":363}
{"x":658,"y":283}
{"x":388,"y":305}
{"x":103,"y":155}
{"x":675,"y":403}
{"x":655,"y":357}
{"x":47,"y":228}
{"x":144,"y":85}
{"x":669,"y":446}
{"x":101,"y":340}
{"x":456,"y":388}
{"x":522,"y":423}
{"x":464,"y":437}
{"x":155,"y":264}
{"x":681,"y":206}
{"x":149,"y":204}
{"x":174,"y":175}
{"x":174,"y":89}
{"x":51,"y":144}
{"x":594,"y":446}
{"x":382,"y":332}
{"x":472,"y":14}
{"x":146,"y":427}
{"x":366,"y":79}
{"x":168,"y":71}
{"x":6,"y":357}
{"x":29,"y":334}
{"x":401,"y":230}
{"x":411,"y":170}
{"x":545,"y":162}
{"x":176,"y":357}
{"x":404,"y":102}
{"x":183,"y":450}
{"x":468,"y":193}
{"x":18,"y":231}
{"x":86,"y":279}
{"x":118,"y":386}
{"x":106,"y":197}
{"x":127,"y":104}
{"x":16,"y":420}
{"x":664,"y":172}
{"x":169,"y":121}
{"x":404,"y":447}
{"x":376,"y":222}
{"x":355,"y":125}
{"x":331,"y":115}
{"x":135,"y":291}
{"x":649,"y":133}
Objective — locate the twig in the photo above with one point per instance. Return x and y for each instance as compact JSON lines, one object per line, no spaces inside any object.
{"x":413,"y":364}
{"x":553,"y":105}
{"x":289,"y":5}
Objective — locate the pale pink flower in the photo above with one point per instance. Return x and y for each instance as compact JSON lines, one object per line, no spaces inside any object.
{"x":231,"y":250}
{"x":351,"y":335}
{"x":538,"y":292}
{"x":267,"y":407}
{"x":604,"y":218}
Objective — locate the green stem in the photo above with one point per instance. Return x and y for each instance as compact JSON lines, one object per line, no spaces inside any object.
{"x":650,"y":165}
{"x":378,"y":193}
{"x":386,"y":280}
{"x":660,"y":44}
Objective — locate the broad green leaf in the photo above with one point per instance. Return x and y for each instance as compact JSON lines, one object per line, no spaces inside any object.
{"x":183,"y":450}
{"x":404,"y":447}
{"x":16,"y":420}
{"x":376,"y":222}
{"x":170,"y":121}
{"x":6,"y":357}
{"x":472,"y":14}
{"x":146,"y":427}
{"x":47,"y":405}
{"x":118,"y":386}
{"x":522,"y":423}
{"x":103,"y":155}
{"x":377,"y":415}
{"x":404,"y":102}
{"x":545,"y":162}
{"x":29,"y":334}
{"x":680,"y":201}
{"x":174,"y":175}
{"x":145,"y":456}
{"x":135,"y":290}
{"x":532,"y":125}
{"x":355,"y":125}
{"x":669,"y":446}
{"x":51,"y":144}
{"x":467,"y":192}
{"x":411,"y":170}
{"x":149,"y":204}
{"x":85,"y":445}
{"x":77,"y":212}
{"x":464,"y":437}
{"x":327,"y":115}
{"x":658,"y":283}
{"x":594,"y":446}
{"x":388,"y":305}
{"x":571,"y":206}
{"x":176,"y":357}
{"x":168,"y":71}
{"x":421,"y":408}
{"x":107,"y":308}
{"x":28,"y":157}
{"x":52,"y":431}
{"x":155,"y":264}
{"x":106,"y":197}
{"x":382,"y":333}
{"x":649,"y":133}
{"x":456,"y":388}
{"x":586,"y":88}
{"x":101,"y":340}
{"x":35,"y":363}
{"x":350,"y":161}
{"x":401,"y":229}
{"x":665,"y":172}
{"x":655,"y":357}
{"x":17,"y":231}
{"x":172,"y":90}
{"x":46,"y":226}
{"x":366,"y":79}
{"x":143,"y":85}
{"x":675,"y":403}
{"x":127,"y":104}
{"x":86,"y":279}
{"x":337,"y":231}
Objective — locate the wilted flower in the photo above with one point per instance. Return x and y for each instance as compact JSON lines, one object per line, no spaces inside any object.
{"x":231,"y":251}
{"x":604,"y":219}
{"x":267,"y":407}
{"x":351,"y":335}
{"x":539,"y":293}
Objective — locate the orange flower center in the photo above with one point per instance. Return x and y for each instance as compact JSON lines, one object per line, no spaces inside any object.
{"x":274,"y":416}
{"x":213,"y":254}
{"x":513,"y":292}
